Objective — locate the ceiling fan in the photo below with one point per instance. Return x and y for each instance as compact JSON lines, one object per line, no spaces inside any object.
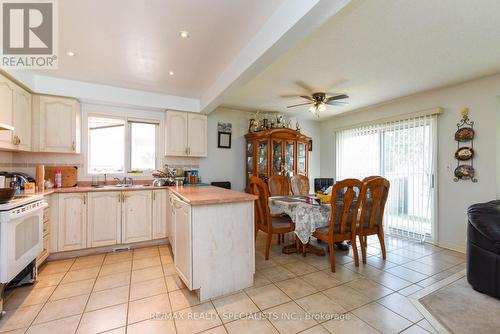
{"x":319,"y":101}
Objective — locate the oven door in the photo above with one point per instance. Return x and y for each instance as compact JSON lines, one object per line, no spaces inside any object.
{"x":21,"y":238}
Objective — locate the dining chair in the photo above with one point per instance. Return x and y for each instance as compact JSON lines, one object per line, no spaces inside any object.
{"x":300,"y":184}
{"x":279,"y":185}
{"x":373,"y":198}
{"x":263,"y":220}
{"x":343,"y":218}
{"x":368,"y":178}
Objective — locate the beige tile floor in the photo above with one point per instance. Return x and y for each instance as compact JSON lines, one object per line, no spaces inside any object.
{"x":138,"y":292}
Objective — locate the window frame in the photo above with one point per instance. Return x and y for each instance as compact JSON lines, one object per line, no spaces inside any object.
{"x":127,"y":143}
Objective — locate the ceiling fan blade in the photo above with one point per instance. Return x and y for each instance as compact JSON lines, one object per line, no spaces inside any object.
{"x":304,"y":86}
{"x":337,"y":97}
{"x":337,"y":103}
{"x":307,"y":97}
{"x":298,"y":105}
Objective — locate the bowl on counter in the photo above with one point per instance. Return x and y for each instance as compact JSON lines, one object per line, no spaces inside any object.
{"x":6,"y":194}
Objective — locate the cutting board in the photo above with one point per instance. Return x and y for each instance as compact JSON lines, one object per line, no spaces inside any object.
{"x":69,"y":175}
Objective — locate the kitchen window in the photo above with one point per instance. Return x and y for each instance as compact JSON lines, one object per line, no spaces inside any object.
{"x":118,"y":145}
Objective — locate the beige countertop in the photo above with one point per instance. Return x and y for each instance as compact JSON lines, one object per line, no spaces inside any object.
{"x":89,"y":189}
{"x":210,"y":195}
{"x":201,"y":195}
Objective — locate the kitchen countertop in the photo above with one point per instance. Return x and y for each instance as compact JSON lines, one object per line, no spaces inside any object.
{"x":210,"y":195}
{"x":189,"y":194}
{"x":86,"y":189}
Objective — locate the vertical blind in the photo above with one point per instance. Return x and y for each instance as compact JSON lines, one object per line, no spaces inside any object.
{"x":402,"y":151}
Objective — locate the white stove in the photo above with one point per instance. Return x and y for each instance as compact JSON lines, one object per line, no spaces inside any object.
{"x":21,"y":237}
{"x":19,"y":201}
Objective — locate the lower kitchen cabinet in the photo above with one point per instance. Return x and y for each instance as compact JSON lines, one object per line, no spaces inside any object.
{"x":136,"y":216}
{"x":104,"y":219}
{"x":183,"y":235}
{"x":160,"y":216}
{"x":72,"y":229}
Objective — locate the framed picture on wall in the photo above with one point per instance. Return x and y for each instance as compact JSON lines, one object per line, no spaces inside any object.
{"x":224,"y":140}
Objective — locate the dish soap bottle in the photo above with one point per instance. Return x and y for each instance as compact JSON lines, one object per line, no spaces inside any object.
{"x":58,"y":178}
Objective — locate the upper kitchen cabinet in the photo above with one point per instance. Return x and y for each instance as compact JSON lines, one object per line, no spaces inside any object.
{"x":21,"y":136}
{"x":186,"y":134}
{"x":15,"y":116}
{"x":7,"y":89}
{"x":56,"y":124}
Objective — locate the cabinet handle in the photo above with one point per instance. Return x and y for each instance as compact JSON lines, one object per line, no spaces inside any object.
{"x":189,"y":150}
{"x":16,"y":140}
{"x":84,"y":199}
{"x":154,"y":196}
{"x":119,"y":198}
{"x":73,"y":146}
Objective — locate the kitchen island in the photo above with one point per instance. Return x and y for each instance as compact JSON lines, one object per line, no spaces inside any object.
{"x":212,"y":237}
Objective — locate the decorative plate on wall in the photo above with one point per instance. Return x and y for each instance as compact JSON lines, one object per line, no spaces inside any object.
{"x":464,"y":153}
{"x":464,"y":172}
{"x":464,"y":134}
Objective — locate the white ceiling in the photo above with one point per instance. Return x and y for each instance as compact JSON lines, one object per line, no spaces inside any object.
{"x":134,"y":44}
{"x":376,"y":51}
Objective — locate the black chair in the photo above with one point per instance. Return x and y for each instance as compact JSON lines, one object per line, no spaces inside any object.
{"x":321,"y":184}
{"x":224,"y":184}
{"x":483,"y":248}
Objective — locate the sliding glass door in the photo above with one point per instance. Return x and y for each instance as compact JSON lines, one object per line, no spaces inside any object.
{"x":404,"y":152}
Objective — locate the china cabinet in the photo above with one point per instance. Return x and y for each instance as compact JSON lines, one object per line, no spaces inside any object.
{"x":276,"y":151}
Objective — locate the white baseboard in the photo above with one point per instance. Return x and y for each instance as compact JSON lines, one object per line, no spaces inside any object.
{"x":452,"y":246}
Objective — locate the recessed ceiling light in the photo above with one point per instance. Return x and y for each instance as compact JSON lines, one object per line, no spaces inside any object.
{"x":184,"y":34}
{"x":70,"y":53}
{"x":170,"y":72}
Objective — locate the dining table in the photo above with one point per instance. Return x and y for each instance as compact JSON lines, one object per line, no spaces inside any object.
{"x":307,"y":215}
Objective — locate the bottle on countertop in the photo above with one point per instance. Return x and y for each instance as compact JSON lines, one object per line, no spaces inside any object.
{"x":58,"y":178}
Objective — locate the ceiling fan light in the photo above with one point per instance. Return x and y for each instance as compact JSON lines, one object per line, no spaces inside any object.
{"x":321,"y":107}
{"x":312,"y":109}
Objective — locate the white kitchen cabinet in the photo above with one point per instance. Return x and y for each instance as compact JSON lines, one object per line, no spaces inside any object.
{"x":104,"y":218}
{"x":214,"y":245}
{"x":186,"y":134}
{"x":160,"y":217}
{"x":136,"y":216}
{"x":176,"y":133}
{"x":72,"y":229}
{"x":183,"y":249}
{"x":7,"y":89}
{"x":56,"y":124}
{"x":171,"y":221}
{"x":197,"y":135}
{"x":21,"y":136}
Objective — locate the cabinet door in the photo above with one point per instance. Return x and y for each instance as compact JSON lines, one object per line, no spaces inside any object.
{"x":197,"y":135}
{"x":72,"y":221}
{"x":7,"y":89}
{"x":160,"y":214}
{"x":104,"y":218}
{"x":136,"y":216}
{"x":277,"y":156}
{"x":171,"y":222}
{"x":183,"y":252}
{"x":59,"y":122}
{"x":176,"y":133}
{"x":22,"y":120}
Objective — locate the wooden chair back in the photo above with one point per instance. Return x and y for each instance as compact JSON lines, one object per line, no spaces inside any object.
{"x":373,"y":198}
{"x":346,"y":193}
{"x":369,"y":178}
{"x":279,"y":185}
{"x":300,"y":185}
{"x":262,"y":213}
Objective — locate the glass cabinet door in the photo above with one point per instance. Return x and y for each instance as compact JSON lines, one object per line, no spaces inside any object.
{"x":290,"y":156}
{"x":262,"y":159}
{"x":277,"y":156}
{"x":250,"y":158}
{"x":301,"y":158}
